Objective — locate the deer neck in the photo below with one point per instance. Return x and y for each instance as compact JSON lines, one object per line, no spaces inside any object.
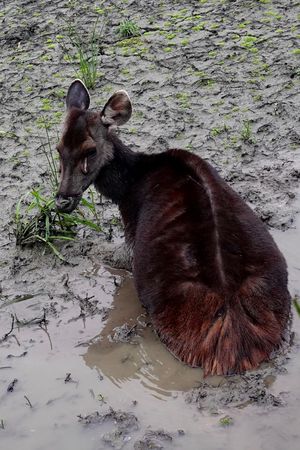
{"x":117,"y":176}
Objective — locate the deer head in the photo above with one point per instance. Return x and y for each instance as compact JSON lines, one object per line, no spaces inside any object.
{"x":85,"y":147}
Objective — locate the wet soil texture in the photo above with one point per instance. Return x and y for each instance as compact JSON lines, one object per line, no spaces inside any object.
{"x":218,"y":78}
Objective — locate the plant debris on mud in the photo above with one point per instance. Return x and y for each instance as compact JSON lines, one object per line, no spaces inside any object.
{"x":153,"y":439}
{"x":123,"y":419}
{"x":124,"y":424}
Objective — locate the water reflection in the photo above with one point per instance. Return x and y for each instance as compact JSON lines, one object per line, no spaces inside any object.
{"x":144,"y":358}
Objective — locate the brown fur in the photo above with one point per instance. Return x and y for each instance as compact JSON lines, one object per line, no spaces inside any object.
{"x":208,"y":271}
{"x":205,"y":267}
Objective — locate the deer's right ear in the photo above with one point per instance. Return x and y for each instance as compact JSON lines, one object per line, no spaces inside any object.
{"x":117,"y":110}
{"x":78,"y":96}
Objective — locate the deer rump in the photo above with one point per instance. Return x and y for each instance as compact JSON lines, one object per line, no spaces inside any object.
{"x":205,"y":267}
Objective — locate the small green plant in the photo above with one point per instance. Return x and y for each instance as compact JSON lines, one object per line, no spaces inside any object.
{"x":273,"y":14}
{"x":40,"y":222}
{"x":246,"y":132}
{"x":296,"y":305}
{"x":99,"y":10}
{"x":183,"y":98}
{"x":185,"y":42}
{"x":219,"y":130}
{"x":203,"y":77}
{"x":199,"y":27}
{"x":46,"y":104}
{"x":37,"y":220}
{"x":86,"y":53}
{"x":248,"y":42}
{"x":212,"y":54}
{"x":226,"y":421}
{"x":128,"y":28}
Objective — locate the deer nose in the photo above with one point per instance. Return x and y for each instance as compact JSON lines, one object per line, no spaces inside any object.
{"x":64,"y":204}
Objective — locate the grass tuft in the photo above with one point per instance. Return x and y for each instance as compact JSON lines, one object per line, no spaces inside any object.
{"x":38,"y":221}
{"x":128,"y":28}
{"x":246,"y":132}
{"x":86,"y":53}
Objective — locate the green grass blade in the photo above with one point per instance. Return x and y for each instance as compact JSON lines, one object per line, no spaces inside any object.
{"x":296,"y":305}
{"x":52,"y":247}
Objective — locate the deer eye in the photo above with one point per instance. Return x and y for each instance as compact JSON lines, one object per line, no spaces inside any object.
{"x":91,"y":153}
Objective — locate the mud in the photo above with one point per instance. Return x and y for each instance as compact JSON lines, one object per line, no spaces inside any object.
{"x":216,"y":77}
{"x":153,"y":439}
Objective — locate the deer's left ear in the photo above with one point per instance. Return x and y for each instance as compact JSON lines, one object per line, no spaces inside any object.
{"x":78,"y":96}
{"x":117,"y":110}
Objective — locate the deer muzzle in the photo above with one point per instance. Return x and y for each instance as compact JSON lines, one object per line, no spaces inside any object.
{"x":66,"y":204}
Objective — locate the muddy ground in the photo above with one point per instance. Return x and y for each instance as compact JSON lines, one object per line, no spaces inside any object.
{"x":219,"y":78}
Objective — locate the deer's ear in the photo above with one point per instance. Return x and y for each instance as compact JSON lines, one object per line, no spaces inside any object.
{"x":117,"y":110}
{"x":78,"y":96}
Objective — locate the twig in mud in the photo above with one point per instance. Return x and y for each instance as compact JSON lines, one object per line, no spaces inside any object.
{"x":11,"y":385}
{"x":28,"y":401}
{"x":11,"y":329}
{"x":5,"y":367}
{"x":46,"y":331}
{"x":16,"y":339}
{"x":2,"y":424}
{"x":131,"y":330}
{"x":85,"y":306}
{"x":68,"y":377}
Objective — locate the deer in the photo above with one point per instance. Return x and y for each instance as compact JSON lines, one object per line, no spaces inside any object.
{"x":205,"y":267}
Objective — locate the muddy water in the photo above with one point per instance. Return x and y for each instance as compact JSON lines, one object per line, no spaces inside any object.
{"x":217,"y":77}
{"x":127,"y":368}
{"x":143,"y":359}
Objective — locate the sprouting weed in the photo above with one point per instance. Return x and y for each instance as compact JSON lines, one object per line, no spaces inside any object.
{"x":86,"y":53}
{"x":246,"y":132}
{"x":128,"y":28}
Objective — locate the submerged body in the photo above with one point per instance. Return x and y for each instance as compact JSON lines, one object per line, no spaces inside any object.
{"x":205,"y":267}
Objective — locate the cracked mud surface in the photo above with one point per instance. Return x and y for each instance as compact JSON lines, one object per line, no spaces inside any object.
{"x":219,"y":78}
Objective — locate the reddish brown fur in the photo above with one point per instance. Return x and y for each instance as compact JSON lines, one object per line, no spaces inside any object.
{"x":205,"y":267}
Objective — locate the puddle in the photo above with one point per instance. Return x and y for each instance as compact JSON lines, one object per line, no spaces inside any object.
{"x":139,"y":376}
{"x":144,"y":359}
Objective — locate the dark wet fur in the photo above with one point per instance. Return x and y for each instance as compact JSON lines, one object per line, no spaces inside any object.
{"x":205,"y":266}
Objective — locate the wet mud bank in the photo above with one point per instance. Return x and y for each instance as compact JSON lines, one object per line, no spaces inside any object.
{"x":79,"y":364}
